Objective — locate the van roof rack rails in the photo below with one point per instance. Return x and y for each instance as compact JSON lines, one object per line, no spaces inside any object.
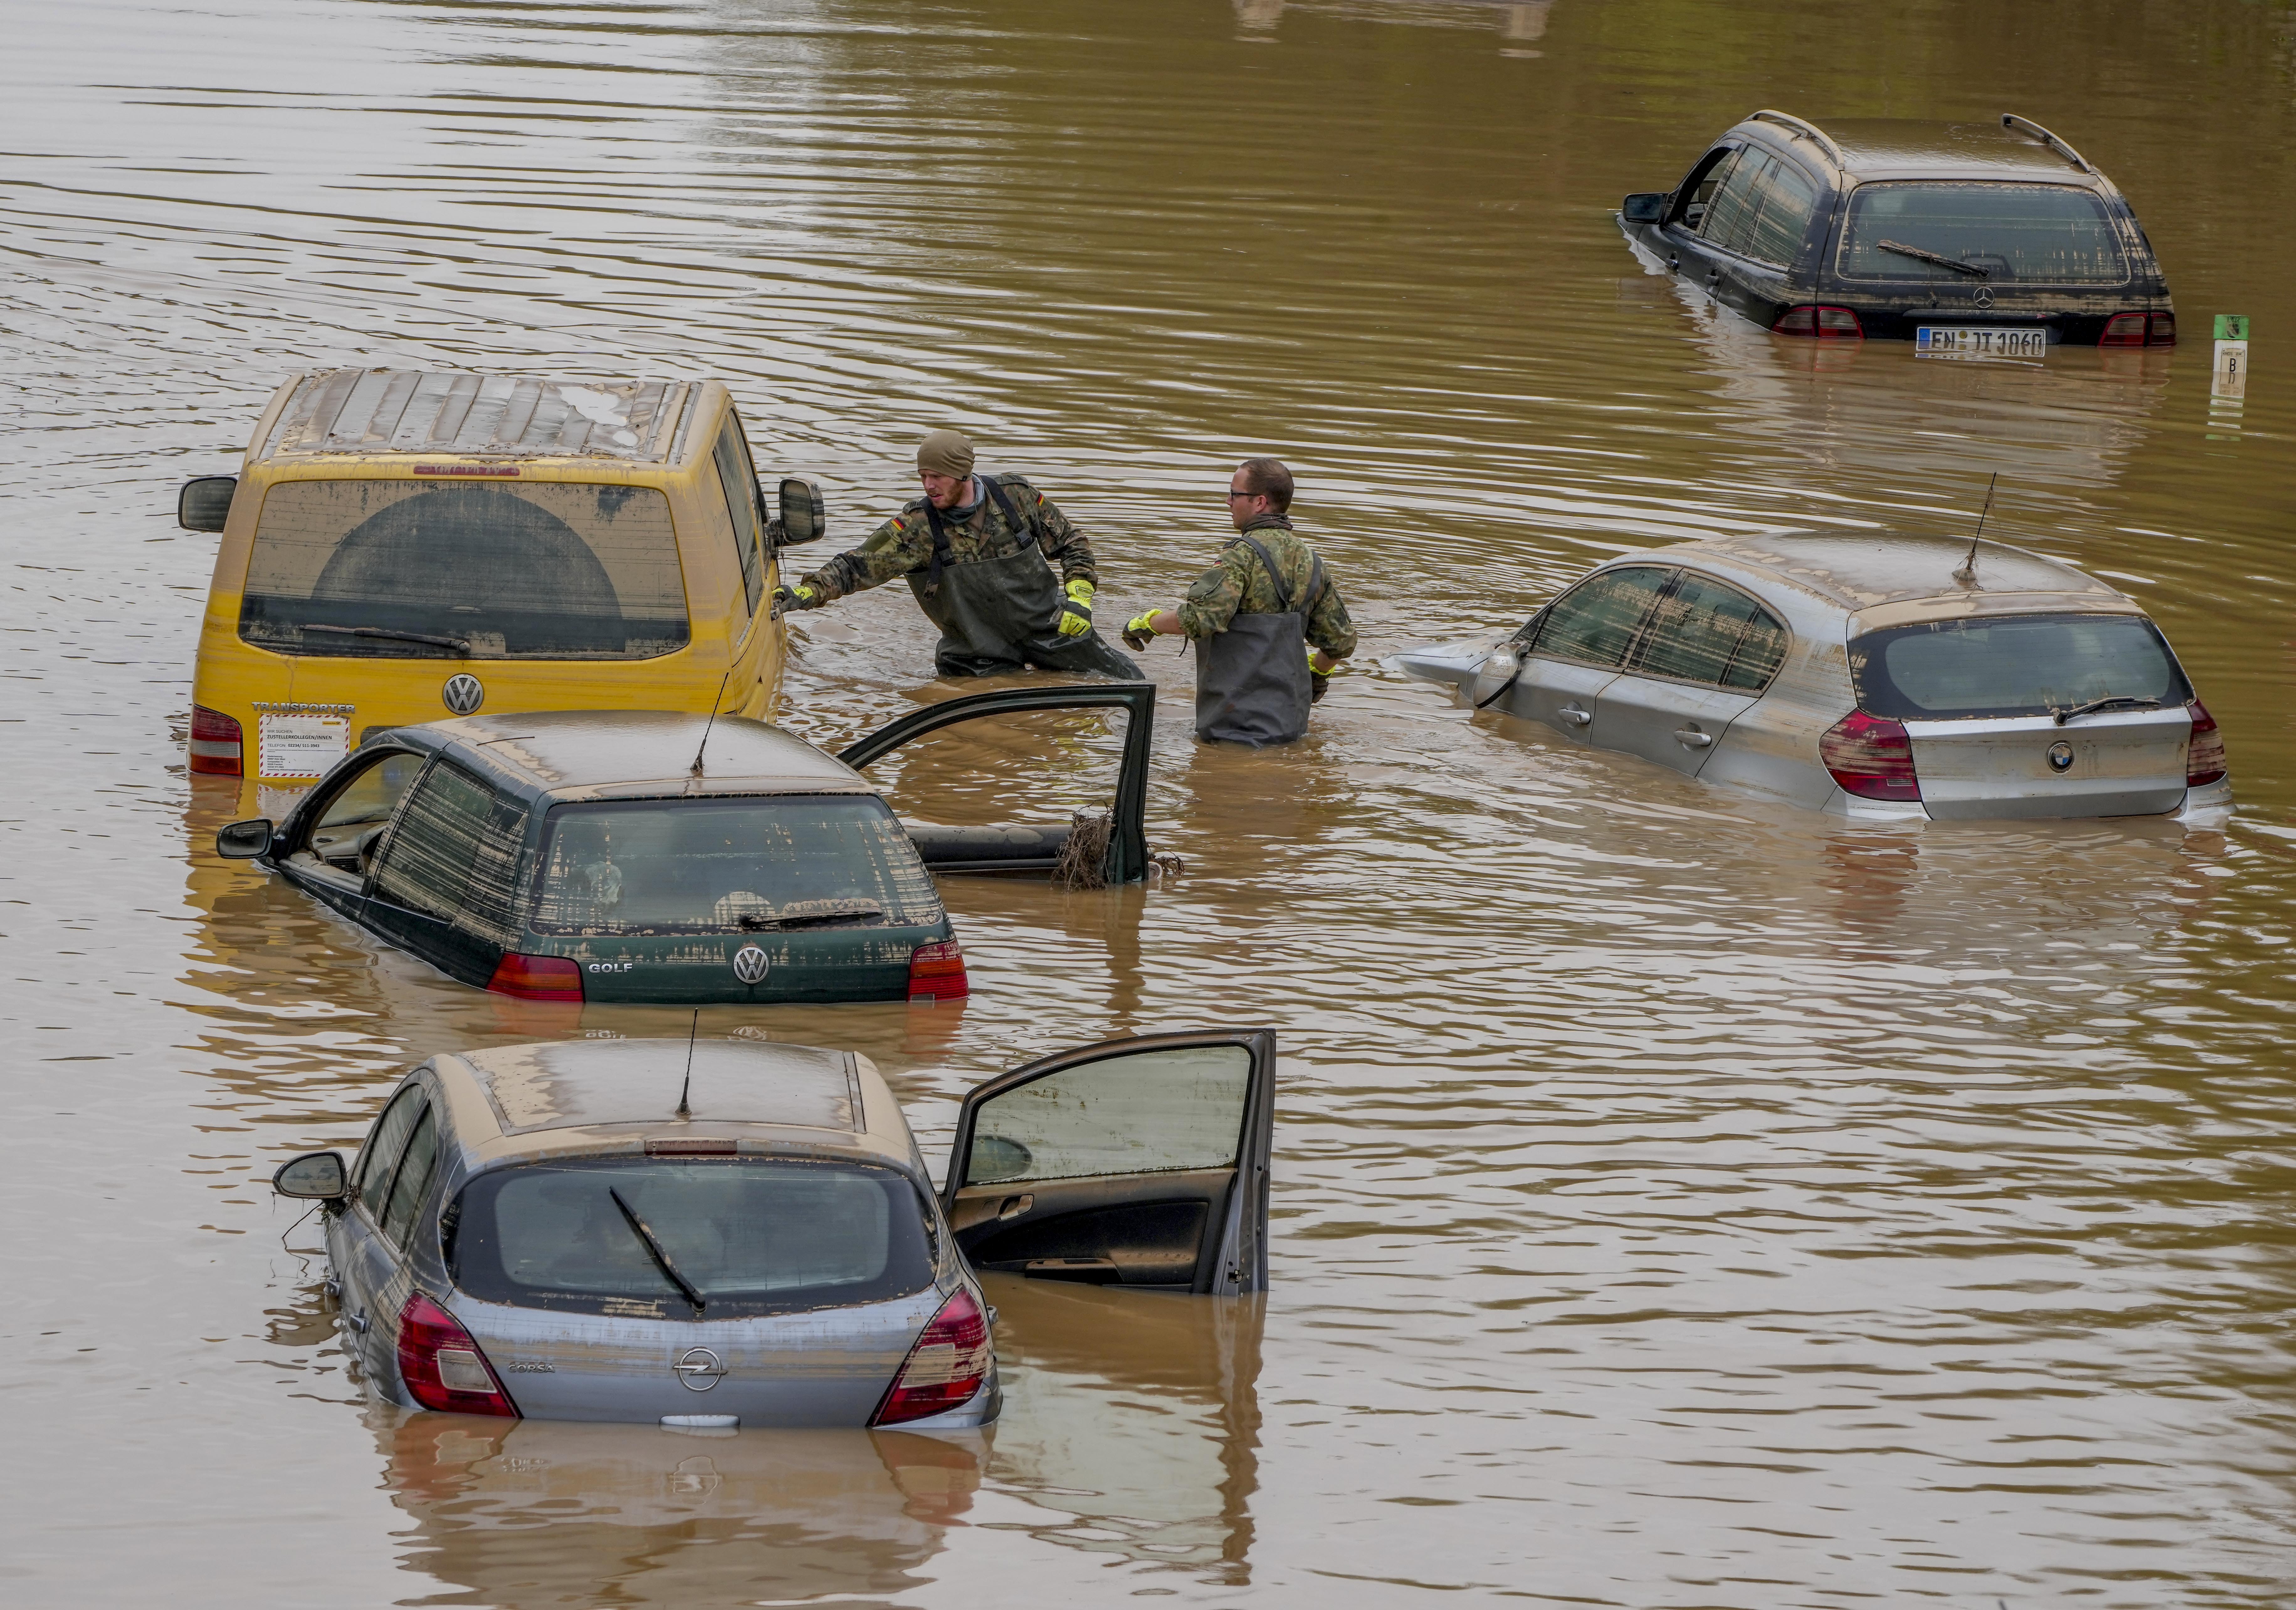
{"x":2010,"y":119}
{"x":1802,"y":126}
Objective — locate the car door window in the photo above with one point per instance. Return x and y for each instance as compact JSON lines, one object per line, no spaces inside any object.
{"x":1597,"y":621}
{"x":412,"y":1178}
{"x":360,"y":804}
{"x":384,"y":1143}
{"x":427,"y":860}
{"x":1699,"y":632}
{"x":1701,"y":188}
{"x":1785,"y":198}
{"x":1729,"y":220}
{"x":737,"y":479}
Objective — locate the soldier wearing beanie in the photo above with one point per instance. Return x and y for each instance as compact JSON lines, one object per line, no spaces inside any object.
{"x":978,"y":551}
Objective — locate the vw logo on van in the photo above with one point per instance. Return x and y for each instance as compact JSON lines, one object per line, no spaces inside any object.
{"x":2061,"y":757}
{"x":464,"y":693}
{"x":750,"y":964}
{"x":699,"y":1370}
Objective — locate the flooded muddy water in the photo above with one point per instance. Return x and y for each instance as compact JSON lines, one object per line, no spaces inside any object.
{"x":1680,"y":1201}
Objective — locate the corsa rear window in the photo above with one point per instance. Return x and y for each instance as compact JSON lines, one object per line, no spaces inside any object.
{"x":2016,"y":664}
{"x":2018,"y":235}
{"x":750,"y":1236}
{"x":402,"y":569}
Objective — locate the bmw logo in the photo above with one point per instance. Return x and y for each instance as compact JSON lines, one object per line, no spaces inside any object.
{"x":750,"y":964}
{"x":464,"y":693}
{"x":2061,"y":757}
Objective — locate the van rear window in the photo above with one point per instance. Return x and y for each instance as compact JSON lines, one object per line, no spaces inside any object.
{"x":401,"y":569}
{"x":2015,"y":665}
{"x":1986,"y":234}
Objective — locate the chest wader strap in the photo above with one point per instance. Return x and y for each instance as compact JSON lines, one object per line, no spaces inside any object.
{"x":1316,"y":581}
{"x":942,"y":554}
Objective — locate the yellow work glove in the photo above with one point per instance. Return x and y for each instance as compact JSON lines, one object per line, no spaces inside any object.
{"x":1319,"y":681}
{"x":1075,"y":610}
{"x":799,"y":597}
{"x":1140,"y":630}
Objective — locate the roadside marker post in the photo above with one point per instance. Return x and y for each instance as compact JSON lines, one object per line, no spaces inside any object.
{"x":2228,"y":377}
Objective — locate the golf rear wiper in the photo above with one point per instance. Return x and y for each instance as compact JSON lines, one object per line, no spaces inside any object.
{"x":653,"y":1250}
{"x":2110,"y":701}
{"x":460,"y":645}
{"x":753,"y":923}
{"x":1931,"y":256}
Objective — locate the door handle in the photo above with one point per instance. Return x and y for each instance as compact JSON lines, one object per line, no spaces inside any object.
{"x":1691,"y":737}
{"x":356,"y":1322}
{"x":331,"y":1287}
{"x":1571,"y":716}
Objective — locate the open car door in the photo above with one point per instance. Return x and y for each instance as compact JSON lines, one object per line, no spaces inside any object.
{"x":1035,"y":847}
{"x":1139,"y":1162}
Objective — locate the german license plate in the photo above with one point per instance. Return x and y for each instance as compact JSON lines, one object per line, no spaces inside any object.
{"x":1963,"y":341}
{"x":299,"y":745}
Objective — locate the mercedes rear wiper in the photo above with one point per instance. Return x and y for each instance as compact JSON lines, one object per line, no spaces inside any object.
{"x":2110,"y":701}
{"x":460,"y":645}
{"x":1931,"y":256}
{"x":653,"y":1250}
{"x":751,"y":922}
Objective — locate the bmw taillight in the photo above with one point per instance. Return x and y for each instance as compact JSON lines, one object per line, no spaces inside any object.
{"x":2204,"y":751}
{"x":442,"y":1365}
{"x":2160,"y":330}
{"x":945,"y":1369}
{"x":216,"y":747}
{"x":2124,"y":330}
{"x":536,"y":977}
{"x":1871,"y":757}
{"x":937,"y":972}
{"x":1826,"y":323}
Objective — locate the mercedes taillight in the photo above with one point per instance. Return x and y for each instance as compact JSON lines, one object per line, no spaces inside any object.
{"x":2160,"y":330}
{"x":536,"y":977}
{"x":937,"y":972}
{"x":216,"y":747}
{"x":945,"y":1369}
{"x":1871,"y":757}
{"x":2204,"y":751}
{"x":442,"y":1365}
{"x":2124,"y":330}
{"x":1826,"y":323}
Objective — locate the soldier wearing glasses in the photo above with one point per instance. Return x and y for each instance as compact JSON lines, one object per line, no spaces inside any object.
{"x":1268,"y":626}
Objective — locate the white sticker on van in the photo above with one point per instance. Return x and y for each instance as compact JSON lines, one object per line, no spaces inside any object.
{"x":300,"y":745}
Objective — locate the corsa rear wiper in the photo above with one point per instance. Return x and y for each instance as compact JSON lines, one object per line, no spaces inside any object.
{"x":1931,"y":256}
{"x":753,"y":923}
{"x":460,"y":645}
{"x":653,"y":1250}
{"x":2110,"y":701}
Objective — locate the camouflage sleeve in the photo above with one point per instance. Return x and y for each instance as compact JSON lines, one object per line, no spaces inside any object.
{"x":895,"y":548}
{"x":1212,"y":602}
{"x":1064,"y":545}
{"x":1328,"y":625}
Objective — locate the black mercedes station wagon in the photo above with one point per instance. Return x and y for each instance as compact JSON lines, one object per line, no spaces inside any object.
{"x":1986,"y":239}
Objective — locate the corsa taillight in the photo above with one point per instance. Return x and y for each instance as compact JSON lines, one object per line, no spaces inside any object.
{"x":937,"y":972}
{"x":442,"y":1365}
{"x":1871,"y":757}
{"x":945,"y":1369}
{"x":217,"y":746}
{"x":1826,"y":323}
{"x":2204,"y":751}
{"x":2124,"y":330}
{"x":537,"y":977}
{"x":2160,"y":330}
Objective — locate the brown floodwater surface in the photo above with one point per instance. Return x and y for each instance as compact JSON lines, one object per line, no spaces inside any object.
{"x":1680,"y":1201}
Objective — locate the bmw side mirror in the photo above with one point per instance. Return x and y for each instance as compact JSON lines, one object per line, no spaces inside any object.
{"x":315,"y":1176}
{"x":804,"y":517}
{"x":1643,"y":207}
{"x":205,"y":505}
{"x":244,"y":840}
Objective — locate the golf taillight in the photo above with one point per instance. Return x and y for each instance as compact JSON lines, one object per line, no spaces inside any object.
{"x":2204,"y":751}
{"x":1871,"y":757}
{"x":945,"y":1369}
{"x":2160,"y":330}
{"x":1826,"y":323}
{"x":937,"y":972}
{"x":442,"y":1365}
{"x":2126,"y":329}
{"x":216,"y":747}
{"x":536,"y":977}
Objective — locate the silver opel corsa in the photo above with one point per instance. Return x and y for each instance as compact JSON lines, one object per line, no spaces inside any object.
{"x":1871,"y":677}
{"x":742,"y":1234}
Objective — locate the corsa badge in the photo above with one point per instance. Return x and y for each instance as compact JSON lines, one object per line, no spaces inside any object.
{"x":464,"y":693}
{"x":699,"y":1370}
{"x":750,"y":964}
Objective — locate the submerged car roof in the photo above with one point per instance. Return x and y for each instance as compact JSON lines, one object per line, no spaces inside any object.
{"x":496,"y":416}
{"x":627,"y":754}
{"x":1892,"y":147}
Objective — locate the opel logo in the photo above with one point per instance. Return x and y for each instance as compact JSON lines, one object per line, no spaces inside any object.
{"x":1984,"y":297}
{"x":464,"y":693}
{"x":2061,"y":757}
{"x":750,"y":964}
{"x":698,"y":1369}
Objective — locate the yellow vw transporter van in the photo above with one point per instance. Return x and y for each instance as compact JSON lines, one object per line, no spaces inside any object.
{"x":405,"y":547}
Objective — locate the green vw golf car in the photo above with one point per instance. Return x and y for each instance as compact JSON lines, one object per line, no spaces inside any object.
{"x":663,"y":858}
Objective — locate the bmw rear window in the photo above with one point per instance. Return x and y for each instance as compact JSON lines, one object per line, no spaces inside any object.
{"x":1981,"y":234}
{"x":2015,"y":665}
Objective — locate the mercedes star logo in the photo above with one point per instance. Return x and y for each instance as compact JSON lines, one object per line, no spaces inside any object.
{"x":464,"y":693}
{"x":699,"y":1370}
{"x":750,"y":964}
{"x":1984,"y":297}
{"x":2061,"y":757}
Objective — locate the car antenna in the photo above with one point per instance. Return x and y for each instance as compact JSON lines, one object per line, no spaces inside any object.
{"x":712,"y":721}
{"x":685,"y":1111}
{"x":1966,"y":576}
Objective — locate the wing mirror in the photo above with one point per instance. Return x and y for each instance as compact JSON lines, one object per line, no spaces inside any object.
{"x":205,"y":505}
{"x":316,"y":1176}
{"x":1643,"y":207}
{"x":804,"y":518}
{"x":244,"y":840}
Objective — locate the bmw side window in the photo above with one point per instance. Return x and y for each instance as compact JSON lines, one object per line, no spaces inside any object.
{"x":1597,"y":621}
{"x":1701,"y":189}
{"x":426,"y":866}
{"x":413,"y":1179}
{"x":737,"y":479}
{"x":1700,"y":631}
{"x":380,"y":1155}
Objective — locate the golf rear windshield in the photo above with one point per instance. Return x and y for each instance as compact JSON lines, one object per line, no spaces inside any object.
{"x":744,"y":1235}
{"x":761,"y":865}
{"x":1988,"y":233}
{"x":398,"y":569}
{"x":2014,"y":665}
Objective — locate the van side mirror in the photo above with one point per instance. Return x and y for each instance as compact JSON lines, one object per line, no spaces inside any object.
{"x":316,"y":1176}
{"x":1643,"y":207}
{"x":804,"y":517}
{"x":205,"y":505}
{"x":244,"y":840}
